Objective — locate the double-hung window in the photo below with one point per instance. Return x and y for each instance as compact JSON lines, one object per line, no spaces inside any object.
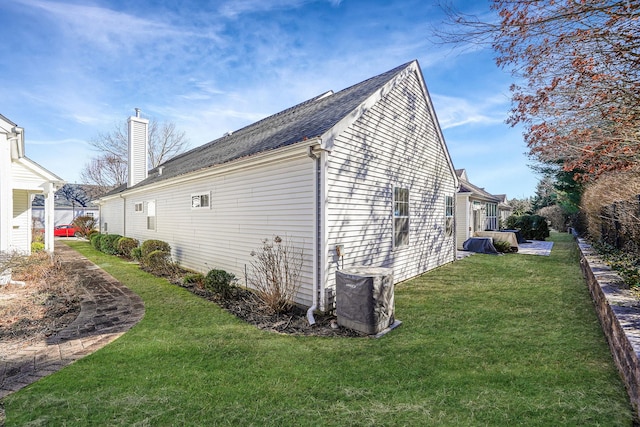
{"x":400,"y":217}
{"x":151,"y":215}
{"x":492,"y":216}
{"x":449,"y":213}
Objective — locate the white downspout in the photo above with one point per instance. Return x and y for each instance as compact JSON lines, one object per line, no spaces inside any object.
{"x":318,"y":233}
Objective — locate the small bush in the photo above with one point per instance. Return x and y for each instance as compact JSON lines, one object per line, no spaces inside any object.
{"x":533,"y":227}
{"x":95,"y":240}
{"x":196,"y":279}
{"x":125,"y":245}
{"x":108,"y":244}
{"x":37,"y":247}
{"x":502,"y":246}
{"x":136,"y":253}
{"x":149,"y":246}
{"x":157,"y":262}
{"x":220,"y":283}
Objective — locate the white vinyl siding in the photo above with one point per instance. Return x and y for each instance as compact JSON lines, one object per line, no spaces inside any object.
{"x":247,"y":205}
{"x":21,"y":223}
{"x":112,"y":214}
{"x":464,"y":218}
{"x":395,"y":141}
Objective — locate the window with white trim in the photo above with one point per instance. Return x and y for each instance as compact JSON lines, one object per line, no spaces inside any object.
{"x":199,"y":201}
{"x":151,"y":215}
{"x":449,"y":213}
{"x":491,"y":220}
{"x":138,"y":207}
{"x":400,"y":217}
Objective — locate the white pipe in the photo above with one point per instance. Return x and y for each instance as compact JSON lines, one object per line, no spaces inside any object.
{"x":314,"y":304}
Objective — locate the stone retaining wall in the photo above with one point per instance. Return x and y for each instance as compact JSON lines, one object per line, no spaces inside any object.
{"x":619,"y":313}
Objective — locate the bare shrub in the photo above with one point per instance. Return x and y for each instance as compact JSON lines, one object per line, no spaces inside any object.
{"x":275,"y":274}
{"x":555,"y":215}
{"x":85,"y":224}
{"x":611,"y":188}
{"x":49,"y":300}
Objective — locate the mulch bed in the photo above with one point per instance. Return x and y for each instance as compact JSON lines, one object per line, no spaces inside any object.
{"x":245,"y":305}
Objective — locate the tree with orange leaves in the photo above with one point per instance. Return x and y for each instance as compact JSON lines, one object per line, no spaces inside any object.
{"x":579,"y":64}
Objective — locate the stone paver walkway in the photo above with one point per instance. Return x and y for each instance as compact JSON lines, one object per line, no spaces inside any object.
{"x":108,"y":309}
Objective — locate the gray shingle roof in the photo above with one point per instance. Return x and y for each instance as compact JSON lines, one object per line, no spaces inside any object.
{"x":307,"y":120}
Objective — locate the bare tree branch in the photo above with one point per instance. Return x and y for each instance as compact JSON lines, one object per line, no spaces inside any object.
{"x":109,"y":168}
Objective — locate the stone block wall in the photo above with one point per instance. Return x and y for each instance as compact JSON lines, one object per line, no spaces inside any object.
{"x":619,"y":313}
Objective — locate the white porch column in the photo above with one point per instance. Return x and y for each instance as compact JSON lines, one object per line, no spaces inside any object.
{"x":49,"y":224}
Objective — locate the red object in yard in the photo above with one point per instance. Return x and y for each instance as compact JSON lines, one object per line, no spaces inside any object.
{"x":66,"y":230}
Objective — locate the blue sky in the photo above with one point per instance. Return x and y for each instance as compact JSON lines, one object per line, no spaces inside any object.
{"x":72,"y":69}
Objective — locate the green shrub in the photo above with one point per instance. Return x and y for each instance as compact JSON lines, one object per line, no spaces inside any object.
{"x":533,"y":227}
{"x":502,"y":246}
{"x":37,"y":247}
{"x":95,"y":240}
{"x":157,"y":262}
{"x":194,"y":279}
{"x":125,"y":245}
{"x":136,"y":253}
{"x":108,"y":244}
{"x":220,"y":283}
{"x":149,"y":246}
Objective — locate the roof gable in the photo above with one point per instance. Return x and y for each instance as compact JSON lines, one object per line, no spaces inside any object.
{"x":477,"y":192}
{"x":307,"y":120}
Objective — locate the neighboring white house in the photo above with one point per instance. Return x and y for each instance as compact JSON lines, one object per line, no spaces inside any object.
{"x":20,"y":180}
{"x":476,"y":209}
{"x":71,"y":201}
{"x":504,"y":209}
{"x":366,"y":169}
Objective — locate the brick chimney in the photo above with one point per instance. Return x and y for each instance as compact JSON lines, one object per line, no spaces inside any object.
{"x":138,"y":146}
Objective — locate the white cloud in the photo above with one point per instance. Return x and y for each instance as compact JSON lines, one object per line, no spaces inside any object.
{"x":454,"y":112}
{"x":110,"y":29}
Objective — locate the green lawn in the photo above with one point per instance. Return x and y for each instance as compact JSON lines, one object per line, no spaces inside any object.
{"x":488,"y":340}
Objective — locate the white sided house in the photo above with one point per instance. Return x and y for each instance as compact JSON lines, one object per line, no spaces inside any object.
{"x":476,"y":209}
{"x":20,"y":180}
{"x":366,"y":169}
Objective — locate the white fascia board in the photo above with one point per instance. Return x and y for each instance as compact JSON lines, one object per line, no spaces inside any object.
{"x":291,"y":151}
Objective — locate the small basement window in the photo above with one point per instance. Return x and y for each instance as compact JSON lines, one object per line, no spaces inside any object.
{"x":200,"y":201}
{"x":400,"y":217}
